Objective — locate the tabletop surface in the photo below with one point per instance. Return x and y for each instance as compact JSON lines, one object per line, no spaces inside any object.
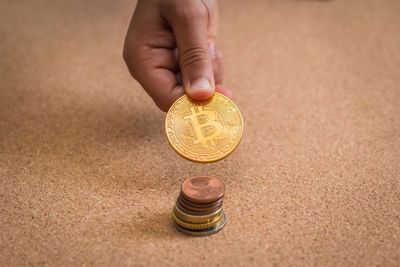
{"x":87,"y":175}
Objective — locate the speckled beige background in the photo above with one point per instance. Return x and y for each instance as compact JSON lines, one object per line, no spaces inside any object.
{"x":87,"y":176}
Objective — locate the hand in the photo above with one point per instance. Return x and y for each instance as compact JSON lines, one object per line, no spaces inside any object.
{"x":170,"y":42}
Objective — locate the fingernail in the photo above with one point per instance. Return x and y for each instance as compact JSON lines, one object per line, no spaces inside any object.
{"x":211,"y":48}
{"x":201,"y":84}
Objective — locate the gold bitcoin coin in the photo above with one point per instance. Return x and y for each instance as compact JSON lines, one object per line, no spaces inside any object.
{"x":204,"y":131}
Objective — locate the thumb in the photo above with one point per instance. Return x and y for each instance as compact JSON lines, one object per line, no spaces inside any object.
{"x":190,"y":30}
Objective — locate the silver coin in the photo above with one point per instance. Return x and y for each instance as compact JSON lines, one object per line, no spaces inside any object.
{"x":204,"y":232}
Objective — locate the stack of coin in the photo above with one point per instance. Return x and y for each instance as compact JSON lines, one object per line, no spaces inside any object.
{"x":198,"y":209}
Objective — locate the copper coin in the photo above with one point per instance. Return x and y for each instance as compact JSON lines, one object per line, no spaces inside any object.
{"x":201,"y":205}
{"x":200,"y":209}
{"x":206,"y":209}
{"x":203,"y":189}
{"x":191,"y":212}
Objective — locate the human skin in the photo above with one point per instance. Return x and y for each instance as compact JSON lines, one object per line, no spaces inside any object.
{"x":169,"y":49}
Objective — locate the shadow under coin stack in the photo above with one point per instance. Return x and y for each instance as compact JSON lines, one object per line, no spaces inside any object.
{"x":198,"y":209}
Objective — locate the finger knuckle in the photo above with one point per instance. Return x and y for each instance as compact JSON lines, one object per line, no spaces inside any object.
{"x":135,"y":59}
{"x":130,"y":62}
{"x":186,"y":14}
{"x":195,"y":57}
{"x":127,"y":53}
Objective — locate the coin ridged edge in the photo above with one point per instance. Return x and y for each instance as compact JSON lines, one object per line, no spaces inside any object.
{"x":196,"y":218}
{"x":195,"y":209}
{"x":202,"y":206}
{"x":197,"y":204}
{"x":197,"y":226}
{"x":205,"y":232}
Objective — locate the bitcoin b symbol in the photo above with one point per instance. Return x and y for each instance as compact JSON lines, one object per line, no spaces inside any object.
{"x":204,"y":125}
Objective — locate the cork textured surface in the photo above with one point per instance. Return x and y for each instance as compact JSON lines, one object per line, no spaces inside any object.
{"x":87,"y":176}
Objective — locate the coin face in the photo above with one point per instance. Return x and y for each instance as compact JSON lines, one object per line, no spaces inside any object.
{"x":204,"y":131}
{"x":203,"y":189}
